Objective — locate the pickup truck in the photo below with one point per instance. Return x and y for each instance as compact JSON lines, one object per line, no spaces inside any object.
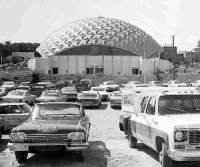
{"x":110,"y":86}
{"x":168,"y":122}
{"x":84,"y":85}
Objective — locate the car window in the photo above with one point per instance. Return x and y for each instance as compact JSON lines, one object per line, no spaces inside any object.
{"x":10,"y":109}
{"x":151,"y":106}
{"x":25,"y":108}
{"x":143,"y":103}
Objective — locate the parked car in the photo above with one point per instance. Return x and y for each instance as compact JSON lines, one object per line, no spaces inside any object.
{"x":131,"y":84}
{"x":115,"y":99}
{"x":70,"y":93}
{"x":84,"y":85}
{"x":51,"y":96}
{"x":10,"y":85}
{"x":24,"y":85}
{"x":3,"y":126}
{"x":52,"y":126}
{"x":195,"y":84}
{"x":176,"y":83}
{"x":22,"y":96}
{"x":37,"y":89}
{"x":48,"y":84}
{"x":110,"y":86}
{"x":14,"y":113}
{"x":89,"y":98}
{"x":3,"y":91}
{"x":102,"y":91}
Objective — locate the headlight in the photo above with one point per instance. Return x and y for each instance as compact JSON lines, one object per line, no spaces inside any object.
{"x":76,"y":136}
{"x":18,"y":137}
{"x":180,"y":135}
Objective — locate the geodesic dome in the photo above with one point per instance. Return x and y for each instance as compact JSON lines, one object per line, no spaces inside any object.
{"x":99,"y":31}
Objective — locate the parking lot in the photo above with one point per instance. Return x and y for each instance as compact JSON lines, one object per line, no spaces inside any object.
{"x":108,"y":147}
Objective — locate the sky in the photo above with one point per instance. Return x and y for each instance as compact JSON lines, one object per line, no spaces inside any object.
{"x":34,"y":20}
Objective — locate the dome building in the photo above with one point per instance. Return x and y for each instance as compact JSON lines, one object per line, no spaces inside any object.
{"x":96,"y":45}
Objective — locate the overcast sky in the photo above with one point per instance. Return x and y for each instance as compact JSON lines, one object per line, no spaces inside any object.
{"x":33,"y":20}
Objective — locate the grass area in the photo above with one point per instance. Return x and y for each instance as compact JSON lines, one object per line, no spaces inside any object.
{"x":25,"y":74}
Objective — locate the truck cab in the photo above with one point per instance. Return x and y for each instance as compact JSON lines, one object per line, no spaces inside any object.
{"x":166,"y":121}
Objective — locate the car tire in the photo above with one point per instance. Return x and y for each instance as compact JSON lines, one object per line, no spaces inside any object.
{"x":21,"y":156}
{"x":164,"y":159}
{"x":132,"y":142}
{"x":80,"y":155}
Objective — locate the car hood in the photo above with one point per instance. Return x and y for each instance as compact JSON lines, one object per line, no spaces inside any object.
{"x":182,"y":120}
{"x":49,"y":126}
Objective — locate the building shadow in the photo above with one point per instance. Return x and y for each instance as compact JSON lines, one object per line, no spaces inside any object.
{"x":96,"y":156}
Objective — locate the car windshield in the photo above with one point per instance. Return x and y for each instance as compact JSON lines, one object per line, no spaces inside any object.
{"x":98,"y":89}
{"x":25,"y":84}
{"x":16,"y":93}
{"x":176,"y":82}
{"x":43,"y":111}
{"x":8,"y":83}
{"x":38,"y":87}
{"x":117,"y":94}
{"x":110,"y":83}
{"x":85,"y":82}
{"x":50,"y":93}
{"x":179,"y":104}
{"x":68,"y":89}
{"x":88,"y":95}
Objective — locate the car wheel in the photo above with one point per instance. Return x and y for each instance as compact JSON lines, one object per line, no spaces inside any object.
{"x":21,"y":155}
{"x":164,"y":159}
{"x":132,"y":142}
{"x":80,"y":155}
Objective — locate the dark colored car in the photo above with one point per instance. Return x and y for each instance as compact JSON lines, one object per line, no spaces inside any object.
{"x":37,"y":89}
{"x":52,"y":126}
{"x":84,"y":85}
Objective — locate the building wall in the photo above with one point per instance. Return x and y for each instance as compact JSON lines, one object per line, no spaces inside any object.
{"x":112,"y":65}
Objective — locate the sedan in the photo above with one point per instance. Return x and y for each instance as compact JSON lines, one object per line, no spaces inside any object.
{"x":195,"y":84}
{"x":175,"y":83}
{"x":102,"y":91}
{"x":89,"y":98}
{"x":14,"y":113}
{"x":51,"y":96}
{"x":115,"y":99}
{"x":52,"y":126}
{"x":10,"y":85}
{"x":70,"y":93}
{"x":19,"y":95}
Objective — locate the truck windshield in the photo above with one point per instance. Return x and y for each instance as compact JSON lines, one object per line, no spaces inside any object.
{"x":179,"y":104}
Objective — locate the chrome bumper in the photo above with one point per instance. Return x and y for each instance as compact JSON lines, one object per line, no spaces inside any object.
{"x":68,"y":146}
{"x":184,"y":155}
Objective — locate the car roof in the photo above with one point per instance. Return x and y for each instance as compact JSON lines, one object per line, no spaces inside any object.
{"x":16,"y":103}
{"x":47,"y":103}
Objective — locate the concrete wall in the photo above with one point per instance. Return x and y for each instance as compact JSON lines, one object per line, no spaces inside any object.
{"x":113,"y":65}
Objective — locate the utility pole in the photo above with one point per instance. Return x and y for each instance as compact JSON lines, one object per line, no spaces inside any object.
{"x":174,"y":76}
{"x":173,"y":40}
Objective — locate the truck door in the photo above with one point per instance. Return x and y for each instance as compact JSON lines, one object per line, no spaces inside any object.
{"x":148,"y":118}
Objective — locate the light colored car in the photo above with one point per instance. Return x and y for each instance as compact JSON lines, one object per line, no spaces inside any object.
{"x":89,"y":98}
{"x":14,"y":113}
{"x":175,"y":83}
{"x":102,"y":91}
{"x":47,"y":83}
{"x":131,"y":84}
{"x":110,"y":86}
{"x":154,"y":83}
{"x":51,"y":96}
{"x":22,"y":96}
{"x":70,"y":93}
{"x":195,"y":84}
{"x":24,"y":85}
{"x":115,"y":99}
{"x":10,"y":85}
